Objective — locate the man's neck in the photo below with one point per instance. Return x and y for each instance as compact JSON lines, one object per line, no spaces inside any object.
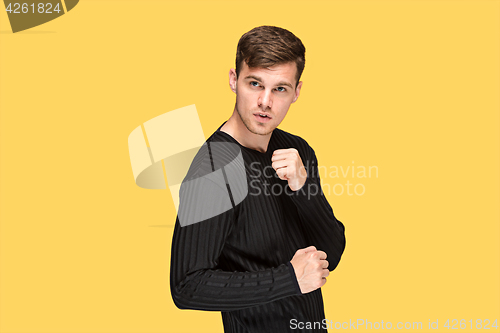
{"x":235,"y":127}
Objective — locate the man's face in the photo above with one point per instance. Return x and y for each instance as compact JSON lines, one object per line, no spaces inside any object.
{"x":264,"y":95}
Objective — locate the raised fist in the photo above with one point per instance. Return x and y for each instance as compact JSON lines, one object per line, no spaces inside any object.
{"x":311,"y":268}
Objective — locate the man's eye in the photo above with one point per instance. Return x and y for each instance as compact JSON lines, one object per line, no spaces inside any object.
{"x":281,"y":89}
{"x":254,"y":83}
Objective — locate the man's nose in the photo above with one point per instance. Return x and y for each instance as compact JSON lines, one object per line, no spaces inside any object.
{"x":265,"y":99}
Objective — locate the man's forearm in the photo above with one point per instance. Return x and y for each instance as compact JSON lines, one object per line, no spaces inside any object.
{"x":217,"y":290}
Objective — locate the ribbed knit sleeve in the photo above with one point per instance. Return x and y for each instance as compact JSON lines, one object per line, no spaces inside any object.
{"x":197,"y":284}
{"x":321,"y":227}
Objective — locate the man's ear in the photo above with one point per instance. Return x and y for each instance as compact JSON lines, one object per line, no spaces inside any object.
{"x":297,"y":91}
{"x":232,"y":79}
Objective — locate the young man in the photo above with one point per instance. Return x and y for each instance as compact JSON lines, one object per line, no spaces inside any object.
{"x":254,"y":230}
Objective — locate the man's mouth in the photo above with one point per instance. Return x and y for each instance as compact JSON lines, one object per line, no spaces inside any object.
{"x":262,"y":116}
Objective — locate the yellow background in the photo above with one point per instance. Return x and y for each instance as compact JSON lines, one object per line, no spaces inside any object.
{"x":411,"y":87}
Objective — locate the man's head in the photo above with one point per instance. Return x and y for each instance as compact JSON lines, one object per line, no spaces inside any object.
{"x":269,"y":63}
{"x":266,"y":46}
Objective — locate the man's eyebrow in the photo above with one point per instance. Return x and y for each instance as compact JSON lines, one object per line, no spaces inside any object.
{"x":282,"y":83}
{"x":253,"y":77}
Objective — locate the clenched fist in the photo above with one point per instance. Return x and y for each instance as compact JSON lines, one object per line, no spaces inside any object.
{"x":311,"y":268}
{"x":289,"y":166}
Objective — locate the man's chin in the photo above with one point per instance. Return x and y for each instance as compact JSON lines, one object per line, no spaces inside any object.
{"x":256,"y":127}
{"x":260,"y":128}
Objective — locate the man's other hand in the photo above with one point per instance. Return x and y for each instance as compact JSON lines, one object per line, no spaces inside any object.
{"x":289,"y":166}
{"x":311,"y":268}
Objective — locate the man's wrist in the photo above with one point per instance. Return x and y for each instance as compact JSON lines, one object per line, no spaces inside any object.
{"x":294,"y":277}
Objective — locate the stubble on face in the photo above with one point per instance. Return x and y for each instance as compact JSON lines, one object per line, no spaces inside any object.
{"x":247,"y":124}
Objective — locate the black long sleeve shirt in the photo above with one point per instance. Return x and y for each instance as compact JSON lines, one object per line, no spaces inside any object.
{"x":238,"y":261}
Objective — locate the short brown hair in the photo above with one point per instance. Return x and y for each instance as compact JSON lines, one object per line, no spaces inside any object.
{"x":266,"y":46}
